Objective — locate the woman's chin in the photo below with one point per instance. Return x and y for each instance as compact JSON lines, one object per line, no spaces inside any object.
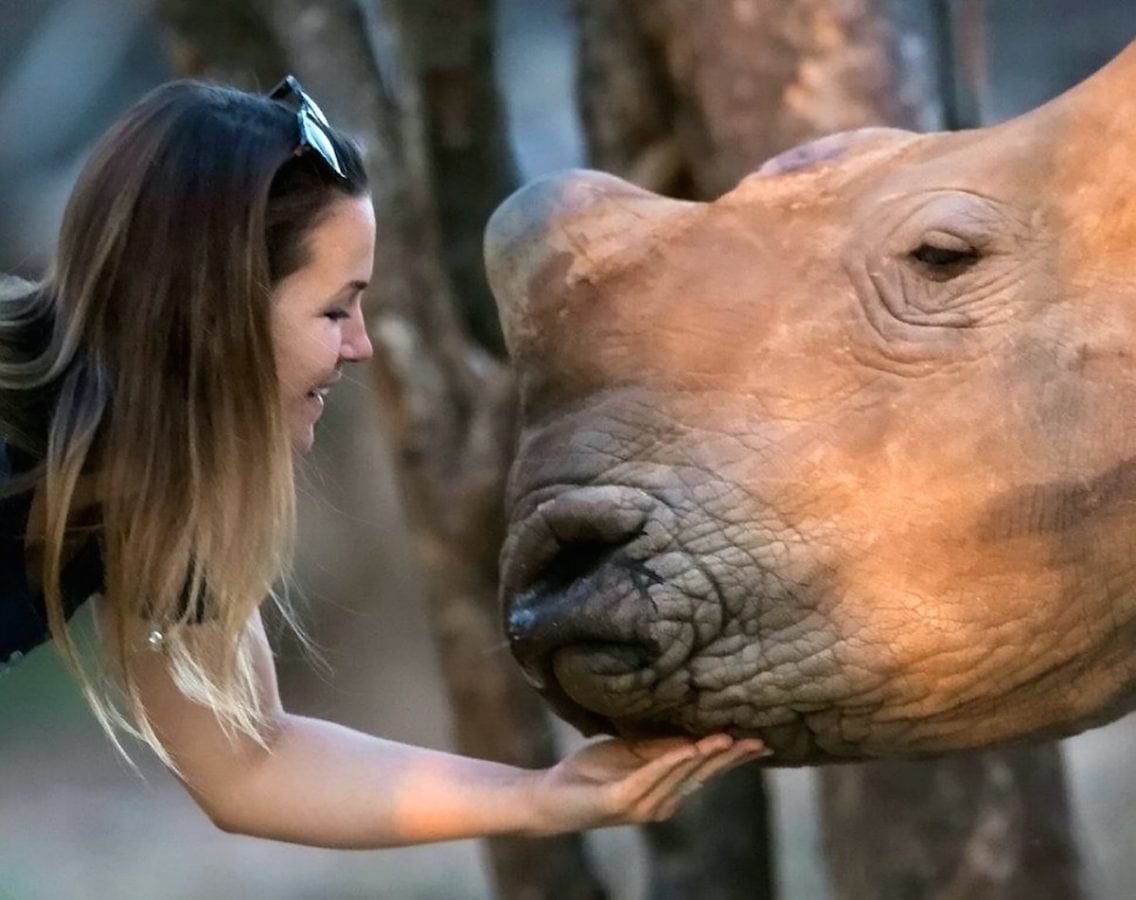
{"x":303,"y":437}
{"x":303,"y":423}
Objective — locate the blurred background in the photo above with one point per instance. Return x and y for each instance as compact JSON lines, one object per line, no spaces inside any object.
{"x":75,"y":821}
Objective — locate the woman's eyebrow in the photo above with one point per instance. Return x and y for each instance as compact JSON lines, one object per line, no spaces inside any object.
{"x":352,"y":286}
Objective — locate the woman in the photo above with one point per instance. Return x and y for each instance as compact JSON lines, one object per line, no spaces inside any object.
{"x":153,"y":390}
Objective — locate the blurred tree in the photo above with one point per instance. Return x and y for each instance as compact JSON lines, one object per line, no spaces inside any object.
{"x":691,"y":97}
{"x":687,"y":98}
{"x":977,"y":826}
{"x":472,"y":163}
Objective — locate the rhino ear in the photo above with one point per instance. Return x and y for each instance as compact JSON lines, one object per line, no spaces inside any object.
{"x":1093,"y":115}
{"x":554,"y":234}
{"x":1088,"y":142}
{"x":1117,"y":79}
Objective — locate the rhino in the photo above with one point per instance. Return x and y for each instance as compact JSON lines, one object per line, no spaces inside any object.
{"x":844,"y":459}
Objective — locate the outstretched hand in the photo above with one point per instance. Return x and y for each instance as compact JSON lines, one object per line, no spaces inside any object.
{"x":614,"y":782}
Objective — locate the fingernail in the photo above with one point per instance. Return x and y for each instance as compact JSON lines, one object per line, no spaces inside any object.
{"x":715,"y":743}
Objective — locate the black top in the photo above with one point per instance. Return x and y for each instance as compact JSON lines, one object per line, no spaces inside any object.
{"x":23,"y":615}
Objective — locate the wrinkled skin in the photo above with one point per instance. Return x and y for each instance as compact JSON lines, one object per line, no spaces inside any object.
{"x":845,"y":459}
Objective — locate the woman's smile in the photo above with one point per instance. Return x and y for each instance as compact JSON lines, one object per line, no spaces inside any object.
{"x":317,"y":313}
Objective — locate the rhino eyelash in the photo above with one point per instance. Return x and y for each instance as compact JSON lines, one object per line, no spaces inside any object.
{"x":942,"y":264}
{"x":941,"y":257}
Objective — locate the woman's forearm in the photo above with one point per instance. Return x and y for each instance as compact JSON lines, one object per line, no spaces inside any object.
{"x":325,"y":785}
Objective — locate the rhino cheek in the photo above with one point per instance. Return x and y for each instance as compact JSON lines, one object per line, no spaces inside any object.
{"x":989,"y":620}
{"x":846,"y":623}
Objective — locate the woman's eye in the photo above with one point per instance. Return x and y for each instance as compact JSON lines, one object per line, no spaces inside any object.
{"x":945,"y":260}
{"x":337,"y":315}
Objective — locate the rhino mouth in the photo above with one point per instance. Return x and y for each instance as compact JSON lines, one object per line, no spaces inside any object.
{"x":604,"y":629}
{"x":581,"y":602}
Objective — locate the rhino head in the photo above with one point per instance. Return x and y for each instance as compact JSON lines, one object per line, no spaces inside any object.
{"x":845,"y":459}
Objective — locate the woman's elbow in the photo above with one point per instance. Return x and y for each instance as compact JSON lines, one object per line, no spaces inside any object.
{"x":223,"y":811}
{"x":234,"y":825}
{"x":233,"y":784}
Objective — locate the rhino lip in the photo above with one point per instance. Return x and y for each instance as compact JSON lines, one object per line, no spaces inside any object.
{"x":544,"y":676}
{"x":566,"y":608}
{"x":586,"y":721}
{"x":572,"y":659}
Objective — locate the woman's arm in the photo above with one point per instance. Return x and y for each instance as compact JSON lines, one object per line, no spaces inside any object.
{"x":325,"y":785}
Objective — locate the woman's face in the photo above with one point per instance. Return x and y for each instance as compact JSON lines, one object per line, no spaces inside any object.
{"x":317,"y":320}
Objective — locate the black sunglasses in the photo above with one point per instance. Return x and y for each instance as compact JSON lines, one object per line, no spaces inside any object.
{"x":313,"y":123}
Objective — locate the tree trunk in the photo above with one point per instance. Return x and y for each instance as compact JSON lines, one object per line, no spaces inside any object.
{"x":472,"y":163}
{"x":979,"y":826}
{"x":718,"y":846}
{"x":726,"y":85}
{"x":447,"y":403}
{"x":687,"y":98}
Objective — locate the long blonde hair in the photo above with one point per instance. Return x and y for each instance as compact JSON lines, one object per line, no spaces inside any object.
{"x":144,"y":361}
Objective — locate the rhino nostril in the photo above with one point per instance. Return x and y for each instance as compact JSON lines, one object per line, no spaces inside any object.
{"x":574,"y":559}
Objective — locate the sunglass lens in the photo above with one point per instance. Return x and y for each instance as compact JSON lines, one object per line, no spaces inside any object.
{"x":313,"y":135}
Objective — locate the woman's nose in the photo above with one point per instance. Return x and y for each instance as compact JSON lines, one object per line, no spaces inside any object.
{"x":357,"y":343}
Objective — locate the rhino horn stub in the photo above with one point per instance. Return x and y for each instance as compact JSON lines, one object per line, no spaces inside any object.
{"x":832,"y":148}
{"x":555,"y":234}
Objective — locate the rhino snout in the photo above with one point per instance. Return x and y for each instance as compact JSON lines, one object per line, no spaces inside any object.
{"x":577,"y":606}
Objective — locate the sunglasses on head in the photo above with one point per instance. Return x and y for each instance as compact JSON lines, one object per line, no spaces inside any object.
{"x":311,"y":120}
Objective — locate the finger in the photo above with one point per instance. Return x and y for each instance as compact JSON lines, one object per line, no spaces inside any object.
{"x":666,"y":810}
{"x":707,"y":748}
{"x":640,"y":790}
{"x":640,"y":782}
{"x":714,"y":743}
{"x":653,"y":748}
{"x":670,"y":791}
{"x":667,"y":788}
{"x":724,"y":761}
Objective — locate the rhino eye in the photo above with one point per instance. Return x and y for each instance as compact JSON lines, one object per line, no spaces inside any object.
{"x":946,"y":259}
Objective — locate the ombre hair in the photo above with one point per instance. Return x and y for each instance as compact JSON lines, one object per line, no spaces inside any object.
{"x":143,"y":364}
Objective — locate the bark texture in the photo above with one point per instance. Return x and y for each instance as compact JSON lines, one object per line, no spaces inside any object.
{"x":986,"y":826}
{"x":727,"y":85}
{"x":472,"y":163}
{"x":719,"y":846}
